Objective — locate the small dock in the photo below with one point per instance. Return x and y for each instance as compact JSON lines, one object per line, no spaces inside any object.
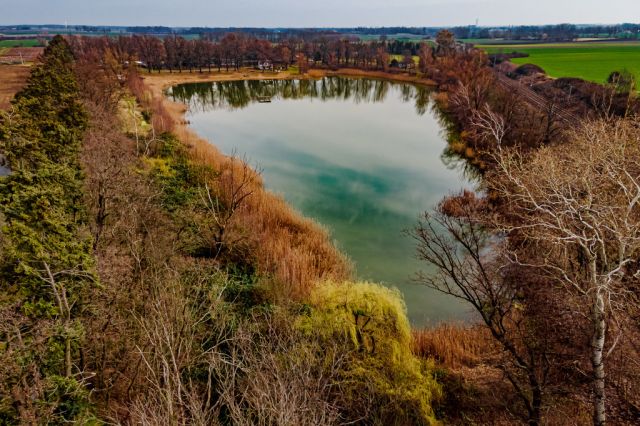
{"x":264,"y":99}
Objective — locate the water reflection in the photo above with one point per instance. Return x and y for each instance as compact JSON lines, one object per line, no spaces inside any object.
{"x":363,"y":157}
{"x":240,"y":94}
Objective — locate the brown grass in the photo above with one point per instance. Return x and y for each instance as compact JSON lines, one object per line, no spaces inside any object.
{"x":295,"y":252}
{"x":20,"y":55}
{"x":454,"y":346}
{"x":12,"y":78}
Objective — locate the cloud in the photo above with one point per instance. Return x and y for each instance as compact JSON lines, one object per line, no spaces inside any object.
{"x":326,"y":13}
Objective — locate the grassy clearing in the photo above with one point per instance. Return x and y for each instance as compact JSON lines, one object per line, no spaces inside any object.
{"x":508,"y":47}
{"x":400,"y":58}
{"x":19,"y":43}
{"x":492,"y":41}
{"x":589,"y":61}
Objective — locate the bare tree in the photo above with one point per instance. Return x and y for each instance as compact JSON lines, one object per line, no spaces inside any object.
{"x":489,"y":124}
{"x":202,"y":365}
{"x":470,"y":262}
{"x":445,"y":41}
{"x":222,"y":198}
{"x":552,"y":120}
{"x":580,"y":205}
{"x":425,"y":55}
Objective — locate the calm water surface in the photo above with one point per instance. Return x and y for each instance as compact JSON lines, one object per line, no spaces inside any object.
{"x":362,"y":157}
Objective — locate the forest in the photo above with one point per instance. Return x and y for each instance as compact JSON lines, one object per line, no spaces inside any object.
{"x":146,"y":278}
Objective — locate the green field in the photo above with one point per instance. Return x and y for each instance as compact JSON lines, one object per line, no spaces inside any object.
{"x":399,"y":37}
{"x":20,"y":43}
{"x":589,"y":61}
{"x":493,"y":41}
{"x":400,"y":58}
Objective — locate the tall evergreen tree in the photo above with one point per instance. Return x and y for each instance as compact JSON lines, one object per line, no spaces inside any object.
{"x":45,"y":261}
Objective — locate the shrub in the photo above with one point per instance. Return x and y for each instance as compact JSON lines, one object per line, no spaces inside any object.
{"x":623,"y":81}
{"x":381,"y":380}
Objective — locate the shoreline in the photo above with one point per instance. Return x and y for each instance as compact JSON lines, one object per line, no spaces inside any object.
{"x":317,"y":259}
{"x":296,"y":251}
{"x":159,"y":82}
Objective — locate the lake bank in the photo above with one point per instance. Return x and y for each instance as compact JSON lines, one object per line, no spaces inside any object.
{"x":362,"y":156}
{"x":158,"y":82}
{"x":294,"y":251}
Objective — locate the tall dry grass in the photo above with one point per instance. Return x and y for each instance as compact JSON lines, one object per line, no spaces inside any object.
{"x":454,"y":345}
{"x":295,"y":252}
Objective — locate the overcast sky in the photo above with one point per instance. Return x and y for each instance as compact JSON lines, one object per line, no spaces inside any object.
{"x":316,"y":13}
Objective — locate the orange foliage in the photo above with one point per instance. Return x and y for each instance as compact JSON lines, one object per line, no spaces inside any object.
{"x":453,"y":346}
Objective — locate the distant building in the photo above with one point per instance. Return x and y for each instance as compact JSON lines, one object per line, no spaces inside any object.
{"x":265,"y":65}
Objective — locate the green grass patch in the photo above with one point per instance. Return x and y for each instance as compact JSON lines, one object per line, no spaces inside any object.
{"x":493,"y":41}
{"x":589,"y":61}
{"x":390,"y":37}
{"x":20,"y":43}
{"x":400,"y":58}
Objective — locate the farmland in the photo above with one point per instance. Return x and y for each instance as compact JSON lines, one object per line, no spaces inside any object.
{"x":20,"y":43}
{"x":590,"y":61}
{"x":13,"y":78}
{"x":19,"y":55}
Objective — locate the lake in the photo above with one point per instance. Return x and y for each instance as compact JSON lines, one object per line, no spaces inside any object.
{"x":363,"y":157}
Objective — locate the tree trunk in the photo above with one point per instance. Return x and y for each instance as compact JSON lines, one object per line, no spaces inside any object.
{"x":597,"y":361}
{"x":535,"y":417}
{"x":67,"y":354}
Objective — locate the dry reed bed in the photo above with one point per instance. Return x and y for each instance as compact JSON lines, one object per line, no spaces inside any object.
{"x":294,"y":251}
{"x":454,"y":346}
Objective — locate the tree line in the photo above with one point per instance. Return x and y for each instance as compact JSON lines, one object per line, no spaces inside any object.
{"x":236,"y":50}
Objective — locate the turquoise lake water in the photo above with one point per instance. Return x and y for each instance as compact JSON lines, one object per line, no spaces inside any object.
{"x":362,"y":157}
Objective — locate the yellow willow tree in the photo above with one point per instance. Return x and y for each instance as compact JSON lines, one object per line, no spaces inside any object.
{"x":579,"y":204}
